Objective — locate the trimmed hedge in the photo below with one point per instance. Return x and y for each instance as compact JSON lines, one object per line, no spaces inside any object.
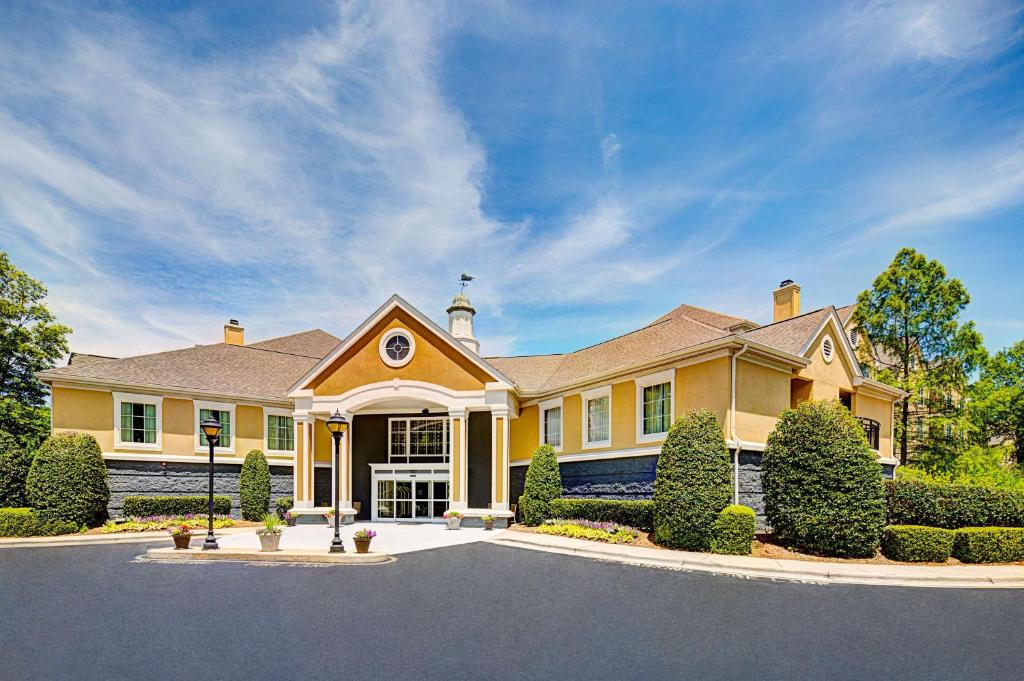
{"x":917,"y":543}
{"x":27,"y":522}
{"x":283,"y":505}
{"x":952,"y":506}
{"x":692,"y":482}
{"x":68,"y":479}
{"x":989,"y":544}
{"x":254,"y":486}
{"x":543,"y":484}
{"x":733,"y":531}
{"x":635,"y":513}
{"x":822,"y":484}
{"x":15,"y":462}
{"x":143,"y":507}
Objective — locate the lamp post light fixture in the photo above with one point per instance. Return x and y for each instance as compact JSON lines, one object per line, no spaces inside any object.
{"x":211,"y":429}
{"x":337,"y":425}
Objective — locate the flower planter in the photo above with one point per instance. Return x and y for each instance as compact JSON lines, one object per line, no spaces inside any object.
{"x":454,"y":522}
{"x":269,"y":542}
{"x":290,"y":521}
{"x":488,"y":524}
{"x":181,"y":540}
{"x":362,"y":545}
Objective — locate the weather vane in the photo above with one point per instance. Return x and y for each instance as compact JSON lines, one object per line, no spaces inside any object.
{"x":464,"y":281}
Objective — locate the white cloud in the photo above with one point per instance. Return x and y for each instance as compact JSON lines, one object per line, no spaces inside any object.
{"x":610,"y":148}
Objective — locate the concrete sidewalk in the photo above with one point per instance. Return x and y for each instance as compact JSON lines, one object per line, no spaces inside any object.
{"x":936,"y":576}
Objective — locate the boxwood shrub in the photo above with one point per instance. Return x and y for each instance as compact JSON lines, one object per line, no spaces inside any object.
{"x":989,"y":544}
{"x":282,"y":506}
{"x":68,"y":479}
{"x":917,"y":543}
{"x":26,"y":522}
{"x":952,"y":506}
{"x":543,"y":483}
{"x":254,"y":486}
{"x":15,"y":461}
{"x":692,"y":482}
{"x":733,"y":531}
{"x":635,"y":513}
{"x":822,"y":484}
{"x":142,"y":507}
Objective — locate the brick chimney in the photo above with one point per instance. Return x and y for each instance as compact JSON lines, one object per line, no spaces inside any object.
{"x":787,"y":300}
{"x":233,"y":333}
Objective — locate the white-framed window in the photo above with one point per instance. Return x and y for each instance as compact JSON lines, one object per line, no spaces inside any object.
{"x":138,"y":421}
{"x":827,"y":349}
{"x":551,"y":412}
{"x":279,"y":431}
{"x":654,"y":399}
{"x":397,"y":347}
{"x":597,"y":417}
{"x":223,"y":412}
{"x":424,"y":438}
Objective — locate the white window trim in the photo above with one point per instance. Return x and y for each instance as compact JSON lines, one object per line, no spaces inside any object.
{"x":411,"y":459}
{"x":552,"y":404}
{"x":667,"y":376}
{"x":136,"y":398}
{"x":275,"y":411}
{"x":828,"y":357}
{"x":586,"y":397}
{"x":381,"y":347}
{"x":219,"y":406}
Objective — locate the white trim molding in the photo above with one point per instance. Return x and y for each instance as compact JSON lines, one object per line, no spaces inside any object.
{"x":274,"y":411}
{"x":137,"y":398}
{"x":159,"y":457}
{"x":597,"y":456}
{"x":219,"y":406}
{"x":382,"y":348}
{"x":559,"y":403}
{"x":667,"y":376}
{"x":585,"y":397}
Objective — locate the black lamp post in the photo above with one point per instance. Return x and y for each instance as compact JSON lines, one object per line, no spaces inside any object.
{"x":211,"y":429}
{"x":337,"y":425}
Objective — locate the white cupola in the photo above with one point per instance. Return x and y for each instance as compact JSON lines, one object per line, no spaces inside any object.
{"x":460,"y":322}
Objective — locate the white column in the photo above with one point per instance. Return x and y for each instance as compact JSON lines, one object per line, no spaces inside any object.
{"x":303,"y":464}
{"x":499,"y":458}
{"x":344,"y":476}
{"x":460,"y":460}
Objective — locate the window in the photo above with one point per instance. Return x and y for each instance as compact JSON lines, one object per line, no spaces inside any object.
{"x":654,"y":405}
{"x":826,"y":349}
{"x":224,"y":412}
{"x":872,"y":429}
{"x":137,"y":421}
{"x":597,"y":409}
{"x":280,"y":433}
{"x":420,"y":439}
{"x":397,"y":347}
{"x":222,"y":415}
{"x":551,"y":423}
{"x":854,"y":337}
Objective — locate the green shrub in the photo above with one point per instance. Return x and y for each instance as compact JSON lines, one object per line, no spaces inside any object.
{"x":917,"y":543}
{"x":911,"y":502}
{"x":196,"y":523}
{"x":283,"y":505}
{"x":543,"y":483}
{"x":733,"y":531}
{"x":143,"y":507}
{"x":635,"y":513}
{"x":989,"y":544}
{"x":15,"y":461}
{"x":254,"y":486}
{"x":26,"y":522}
{"x":68,"y":479}
{"x":822,"y":484}
{"x":692,"y":482}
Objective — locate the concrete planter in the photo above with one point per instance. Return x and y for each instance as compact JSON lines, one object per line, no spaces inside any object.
{"x":454,"y":522}
{"x":269,"y":542}
{"x":181,"y":540}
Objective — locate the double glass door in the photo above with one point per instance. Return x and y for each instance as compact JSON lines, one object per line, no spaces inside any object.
{"x":411,"y":499}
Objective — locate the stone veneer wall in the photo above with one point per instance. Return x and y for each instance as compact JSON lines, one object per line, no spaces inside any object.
{"x":148,"y":478}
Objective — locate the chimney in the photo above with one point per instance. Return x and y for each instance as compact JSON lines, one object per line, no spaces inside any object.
{"x":233,"y":333}
{"x":787,"y":300}
{"x":460,"y":322}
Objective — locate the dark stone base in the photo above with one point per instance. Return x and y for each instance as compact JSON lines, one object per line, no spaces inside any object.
{"x":476,"y":521}
{"x":148,"y":478}
{"x":888,"y":471}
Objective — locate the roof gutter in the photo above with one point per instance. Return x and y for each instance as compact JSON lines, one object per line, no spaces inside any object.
{"x":732,"y":428}
{"x":183,"y":392}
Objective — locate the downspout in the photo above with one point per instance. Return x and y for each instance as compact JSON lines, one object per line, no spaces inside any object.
{"x":732,"y":431}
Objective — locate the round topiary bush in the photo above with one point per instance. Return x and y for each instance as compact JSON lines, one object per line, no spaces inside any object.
{"x":254,"y":486}
{"x":692,"y":482}
{"x":68,"y":479}
{"x":822,"y":485}
{"x":733,"y":533}
{"x":543,"y":483}
{"x":15,"y":462}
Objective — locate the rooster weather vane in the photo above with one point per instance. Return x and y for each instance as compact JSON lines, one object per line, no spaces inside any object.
{"x":464,"y":281}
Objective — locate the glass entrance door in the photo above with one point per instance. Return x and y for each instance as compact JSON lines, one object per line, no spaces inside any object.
{"x":401,"y":498}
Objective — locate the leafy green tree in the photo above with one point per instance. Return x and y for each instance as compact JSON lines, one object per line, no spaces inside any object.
{"x":15,"y":461}
{"x":31,"y":340}
{"x":997,"y":399}
{"x":543,"y":484}
{"x":254,"y":486}
{"x":911,"y":318}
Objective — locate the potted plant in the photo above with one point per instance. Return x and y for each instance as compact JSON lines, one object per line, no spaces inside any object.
{"x":270,"y":533}
{"x":289,"y":518}
{"x":488,"y":522}
{"x":182,"y":535}
{"x":329,"y":516}
{"x":362,"y":539}
{"x":453,"y":518}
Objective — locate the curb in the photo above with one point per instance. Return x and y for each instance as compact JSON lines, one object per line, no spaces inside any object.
{"x":281,"y":556}
{"x":100,"y":539}
{"x":806,"y":572}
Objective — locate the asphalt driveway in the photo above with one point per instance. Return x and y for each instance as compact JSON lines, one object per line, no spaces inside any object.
{"x":478,"y":611}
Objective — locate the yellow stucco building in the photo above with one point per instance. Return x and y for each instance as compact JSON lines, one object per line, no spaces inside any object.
{"x":435,"y":425}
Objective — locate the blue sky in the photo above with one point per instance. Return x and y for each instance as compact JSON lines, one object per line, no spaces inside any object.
{"x":166,"y":166}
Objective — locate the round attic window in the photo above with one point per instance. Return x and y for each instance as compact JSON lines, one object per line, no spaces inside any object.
{"x":397,"y":347}
{"x":827,"y":349}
